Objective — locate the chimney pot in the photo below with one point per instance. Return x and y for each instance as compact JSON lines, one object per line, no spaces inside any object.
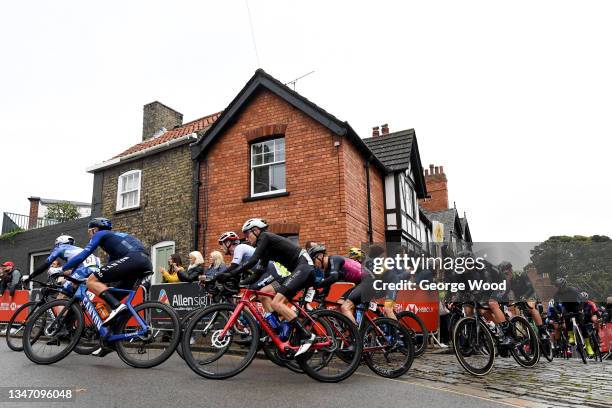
{"x":157,"y":116}
{"x":375,"y":131}
{"x":385,"y":129}
{"x":437,"y":169}
{"x":431,"y":169}
{"x":441,"y":169}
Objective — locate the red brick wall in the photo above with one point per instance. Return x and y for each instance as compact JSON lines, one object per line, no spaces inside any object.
{"x":437,"y":188}
{"x":315,"y":180}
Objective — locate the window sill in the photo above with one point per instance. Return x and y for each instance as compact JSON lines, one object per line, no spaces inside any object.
{"x":264,"y":197}
{"x":126,"y":210}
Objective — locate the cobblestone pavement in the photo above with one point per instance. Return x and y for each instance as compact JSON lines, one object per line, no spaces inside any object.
{"x":562,"y":383}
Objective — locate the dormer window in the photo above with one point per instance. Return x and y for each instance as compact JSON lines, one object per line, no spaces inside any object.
{"x":128,"y":190}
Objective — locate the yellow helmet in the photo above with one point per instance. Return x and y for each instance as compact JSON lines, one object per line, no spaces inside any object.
{"x":356,"y":254}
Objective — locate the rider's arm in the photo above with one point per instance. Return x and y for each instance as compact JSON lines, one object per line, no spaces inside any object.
{"x":88,"y":250}
{"x":46,"y":264}
{"x":262,"y":247}
{"x":335,"y":264}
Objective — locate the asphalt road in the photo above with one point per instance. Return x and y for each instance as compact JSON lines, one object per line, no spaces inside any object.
{"x":109,"y":383}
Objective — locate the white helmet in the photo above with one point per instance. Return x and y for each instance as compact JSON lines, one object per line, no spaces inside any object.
{"x":254,"y":222}
{"x":64,"y":239}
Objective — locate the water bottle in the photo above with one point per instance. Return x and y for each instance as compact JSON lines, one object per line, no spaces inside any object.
{"x":358,"y":316}
{"x":272,"y":320}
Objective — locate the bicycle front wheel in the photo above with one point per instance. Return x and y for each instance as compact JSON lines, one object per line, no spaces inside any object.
{"x":387,"y":347}
{"x":16,"y":327}
{"x":473,"y":346}
{"x":212,"y":356}
{"x":527,"y":350}
{"x":47,"y":339}
{"x":157,"y":344}
{"x":418,"y":330}
{"x":580,"y":348}
{"x":340,"y":357}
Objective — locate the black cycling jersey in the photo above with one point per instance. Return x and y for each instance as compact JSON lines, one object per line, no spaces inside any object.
{"x":272,"y":247}
{"x":520,"y":286}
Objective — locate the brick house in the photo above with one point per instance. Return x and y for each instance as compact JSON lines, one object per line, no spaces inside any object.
{"x":274,"y":154}
{"x":147,"y":190}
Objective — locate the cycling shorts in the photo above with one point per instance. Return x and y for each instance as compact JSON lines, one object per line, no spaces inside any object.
{"x":124,"y":272}
{"x":363,"y":292}
{"x":303,"y":276}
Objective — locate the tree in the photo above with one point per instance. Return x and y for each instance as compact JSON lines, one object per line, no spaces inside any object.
{"x":63,"y":211}
{"x":586,"y":262}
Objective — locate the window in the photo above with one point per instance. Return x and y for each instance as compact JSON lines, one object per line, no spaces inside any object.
{"x":268,"y":167}
{"x":128,"y":190}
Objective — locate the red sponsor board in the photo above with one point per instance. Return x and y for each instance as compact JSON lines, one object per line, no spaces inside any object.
{"x":605,"y":334}
{"x":9,"y":306}
{"x":423,"y":303}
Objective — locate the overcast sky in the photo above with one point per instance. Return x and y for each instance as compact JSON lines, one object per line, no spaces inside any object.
{"x":513,"y":99}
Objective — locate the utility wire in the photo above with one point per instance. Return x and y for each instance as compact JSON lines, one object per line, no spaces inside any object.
{"x":252,"y":32}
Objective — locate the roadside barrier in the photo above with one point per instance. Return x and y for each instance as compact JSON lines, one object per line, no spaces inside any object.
{"x":8,"y":307}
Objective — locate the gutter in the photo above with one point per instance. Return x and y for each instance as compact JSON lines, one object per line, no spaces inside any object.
{"x":196,"y":205}
{"x":368,"y":193}
{"x":139,"y":154}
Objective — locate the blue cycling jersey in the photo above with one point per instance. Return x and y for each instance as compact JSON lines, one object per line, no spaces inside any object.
{"x":65,"y":252}
{"x":115,"y":244}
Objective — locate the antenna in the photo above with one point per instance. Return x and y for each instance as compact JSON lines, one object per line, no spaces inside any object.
{"x":252,"y":32}
{"x":297,"y":79}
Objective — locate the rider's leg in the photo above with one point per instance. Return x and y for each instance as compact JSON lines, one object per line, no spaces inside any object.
{"x":266,"y":301}
{"x":496,"y":313}
{"x":348,"y":309}
{"x":389,"y":309}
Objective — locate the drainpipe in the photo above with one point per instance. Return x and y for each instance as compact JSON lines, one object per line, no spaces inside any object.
{"x":367,"y":172}
{"x":196,"y":204}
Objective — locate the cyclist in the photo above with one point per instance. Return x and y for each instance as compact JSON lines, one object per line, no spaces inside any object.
{"x":64,"y":249}
{"x":569,"y":297}
{"x":356,"y":254}
{"x":127,"y":262}
{"x":591,"y":317}
{"x":272,"y":247}
{"x":241,"y":253}
{"x":521,"y":287}
{"x":339,"y":269}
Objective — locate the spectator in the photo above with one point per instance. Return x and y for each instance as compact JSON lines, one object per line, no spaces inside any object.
{"x":11,"y":279}
{"x":216,"y":265}
{"x":196,"y":268}
{"x":175,"y":267}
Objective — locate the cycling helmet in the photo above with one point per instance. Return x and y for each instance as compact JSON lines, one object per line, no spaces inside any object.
{"x":64,"y":239}
{"x":317,"y":249}
{"x":356,"y":254}
{"x":504,"y":266}
{"x":561,"y":282}
{"x":584,"y":296}
{"x":254,"y":222}
{"x":100,"y":223}
{"x":229,"y":236}
{"x":551,"y":303}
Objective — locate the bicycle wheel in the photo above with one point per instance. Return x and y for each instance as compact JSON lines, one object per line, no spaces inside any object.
{"x":527,"y":350}
{"x":184,"y":323}
{"x":48,"y":339}
{"x":594,"y":345}
{"x":323,"y":362}
{"x":89,"y":341}
{"x":15,"y":329}
{"x":218,"y":358}
{"x":387,"y":347}
{"x":579,"y":344}
{"x":473,"y":346}
{"x":418,"y":329}
{"x":546,"y":348}
{"x":157,"y":344}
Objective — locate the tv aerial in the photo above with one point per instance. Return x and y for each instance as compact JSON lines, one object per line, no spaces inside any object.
{"x":297,"y":79}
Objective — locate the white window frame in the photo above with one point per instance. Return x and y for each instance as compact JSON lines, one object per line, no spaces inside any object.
{"x":32,"y":255}
{"x":120,"y":193}
{"x":253,"y":167}
{"x":154,"y":255}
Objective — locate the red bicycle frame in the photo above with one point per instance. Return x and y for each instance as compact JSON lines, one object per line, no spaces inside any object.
{"x":245,"y":301}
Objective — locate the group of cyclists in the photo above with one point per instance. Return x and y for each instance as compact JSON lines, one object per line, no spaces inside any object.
{"x":280,"y":269}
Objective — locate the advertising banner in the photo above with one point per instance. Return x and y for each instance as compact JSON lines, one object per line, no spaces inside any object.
{"x":8,"y":306}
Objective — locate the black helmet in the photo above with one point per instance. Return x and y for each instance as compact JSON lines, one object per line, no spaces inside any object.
{"x":317,"y":249}
{"x":561,"y":282}
{"x":100,"y":223}
{"x":504,"y":266}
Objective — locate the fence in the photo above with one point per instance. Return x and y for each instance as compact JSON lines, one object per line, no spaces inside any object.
{"x":18,"y":222}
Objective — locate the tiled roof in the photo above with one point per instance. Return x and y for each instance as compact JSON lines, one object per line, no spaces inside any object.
{"x":194,"y":126}
{"x":393,"y":149}
{"x":450,"y":220}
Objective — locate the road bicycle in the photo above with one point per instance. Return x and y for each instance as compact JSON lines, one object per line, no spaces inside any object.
{"x":144,"y":335}
{"x":221,"y":340}
{"x":579,"y":346}
{"x":594,"y":339}
{"x":388,"y":348}
{"x":545,"y":343}
{"x":476,"y":341}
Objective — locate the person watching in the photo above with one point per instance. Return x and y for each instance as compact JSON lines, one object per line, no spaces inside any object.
{"x":195,"y":269}
{"x":11,"y":279}
{"x":216,"y":265}
{"x":175,"y":266}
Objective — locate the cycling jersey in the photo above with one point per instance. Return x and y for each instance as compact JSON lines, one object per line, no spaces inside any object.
{"x":66,"y":252}
{"x":341,"y":269}
{"x":272,"y":247}
{"x":242,"y":253}
{"x":521,"y":287}
{"x":116,"y":244}
{"x":590,"y":309}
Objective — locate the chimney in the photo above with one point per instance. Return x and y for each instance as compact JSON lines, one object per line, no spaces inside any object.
{"x":437,"y":188}
{"x":385,"y":129}
{"x":375,"y":131}
{"x":157,"y":116}
{"x":33,"y":215}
